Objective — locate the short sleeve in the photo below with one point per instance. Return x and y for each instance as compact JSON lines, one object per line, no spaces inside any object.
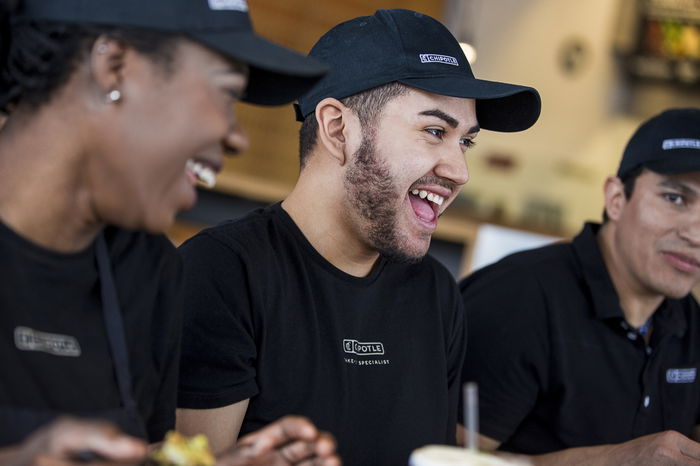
{"x":507,"y":352}
{"x":217,"y":365}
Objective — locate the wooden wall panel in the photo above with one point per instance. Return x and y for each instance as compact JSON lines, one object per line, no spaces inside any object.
{"x":269,"y":169}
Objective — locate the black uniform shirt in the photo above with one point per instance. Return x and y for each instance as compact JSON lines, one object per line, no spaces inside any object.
{"x":53,"y":343}
{"x":556,"y":362}
{"x":375,"y":360}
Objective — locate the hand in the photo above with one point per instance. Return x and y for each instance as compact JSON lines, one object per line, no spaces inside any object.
{"x":289,"y":441}
{"x":61,"y":441}
{"x":663,"y":448}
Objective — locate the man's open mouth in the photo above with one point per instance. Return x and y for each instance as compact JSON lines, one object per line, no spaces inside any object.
{"x":425,"y":204}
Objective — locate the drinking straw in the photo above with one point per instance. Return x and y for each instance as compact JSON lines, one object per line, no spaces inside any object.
{"x":471,"y":415}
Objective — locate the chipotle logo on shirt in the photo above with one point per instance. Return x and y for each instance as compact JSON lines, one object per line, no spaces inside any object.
{"x":685,"y":375}
{"x":364,"y":349}
{"x":27,"y":339}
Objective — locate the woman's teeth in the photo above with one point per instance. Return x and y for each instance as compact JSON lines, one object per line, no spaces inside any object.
{"x":204,"y":174}
{"x":429,"y":196}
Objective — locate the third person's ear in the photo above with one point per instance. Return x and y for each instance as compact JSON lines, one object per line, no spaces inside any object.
{"x":615,"y":199}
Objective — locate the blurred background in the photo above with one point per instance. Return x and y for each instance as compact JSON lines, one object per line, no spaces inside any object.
{"x":601,"y":66}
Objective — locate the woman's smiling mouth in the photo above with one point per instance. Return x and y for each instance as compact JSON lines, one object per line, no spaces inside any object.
{"x":201,"y":171}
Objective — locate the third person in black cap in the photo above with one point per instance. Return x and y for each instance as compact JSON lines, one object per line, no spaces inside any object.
{"x":588,"y":352}
{"x":326,"y":304}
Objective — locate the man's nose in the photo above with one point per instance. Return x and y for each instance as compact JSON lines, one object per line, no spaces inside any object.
{"x":453,"y":166}
{"x":690,"y":229}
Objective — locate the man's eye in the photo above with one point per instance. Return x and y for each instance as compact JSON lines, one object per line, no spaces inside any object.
{"x":467,"y":143}
{"x":675,"y":199}
{"x":437,"y":132}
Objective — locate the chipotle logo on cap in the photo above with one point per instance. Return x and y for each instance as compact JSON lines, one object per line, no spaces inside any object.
{"x":236,"y":5}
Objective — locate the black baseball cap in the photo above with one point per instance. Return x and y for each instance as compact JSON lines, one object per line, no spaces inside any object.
{"x":667,"y":143}
{"x":418,"y":51}
{"x":277,"y":75}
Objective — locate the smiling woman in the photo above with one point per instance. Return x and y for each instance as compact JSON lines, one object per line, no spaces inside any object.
{"x":115,"y":109}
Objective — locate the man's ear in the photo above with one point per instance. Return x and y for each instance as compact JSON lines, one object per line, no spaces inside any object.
{"x":332,"y":117}
{"x":107,"y":59}
{"x":615,"y":198}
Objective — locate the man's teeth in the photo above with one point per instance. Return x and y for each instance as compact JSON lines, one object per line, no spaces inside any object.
{"x":204,"y":173}
{"x":430,"y":196}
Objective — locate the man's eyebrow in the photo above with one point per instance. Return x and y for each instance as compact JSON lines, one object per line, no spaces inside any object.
{"x":441,"y":115}
{"x":679,"y":186}
{"x":450,"y":120}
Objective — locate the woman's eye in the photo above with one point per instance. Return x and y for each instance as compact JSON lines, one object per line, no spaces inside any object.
{"x":235,"y":94}
{"x":437,"y":132}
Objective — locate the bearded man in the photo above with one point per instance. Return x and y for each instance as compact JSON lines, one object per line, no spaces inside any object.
{"x":326,"y":304}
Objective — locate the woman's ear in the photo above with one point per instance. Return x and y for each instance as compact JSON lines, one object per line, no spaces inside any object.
{"x":107,"y":59}
{"x":332,"y":117}
{"x":615,"y":198}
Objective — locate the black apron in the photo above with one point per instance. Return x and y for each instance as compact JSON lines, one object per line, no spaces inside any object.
{"x":17,"y":423}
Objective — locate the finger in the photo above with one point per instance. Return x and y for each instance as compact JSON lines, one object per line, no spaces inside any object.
{"x":333,"y":461}
{"x":309,"y":462}
{"x":689,"y":447}
{"x":71,"y":436}
{"x":281,"y":432}
{"x":325,"y":445}
{"x":50,"y":460}
{"x":297,"y":451}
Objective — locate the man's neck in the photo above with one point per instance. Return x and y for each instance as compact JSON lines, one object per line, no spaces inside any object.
{"x":637,"y":304}
{"x":319,"y":213}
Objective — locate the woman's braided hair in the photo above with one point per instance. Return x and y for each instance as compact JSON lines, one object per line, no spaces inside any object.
{"x":37,"y":58}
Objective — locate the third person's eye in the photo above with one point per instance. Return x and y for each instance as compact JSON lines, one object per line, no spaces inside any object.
{"x":674,"y":198}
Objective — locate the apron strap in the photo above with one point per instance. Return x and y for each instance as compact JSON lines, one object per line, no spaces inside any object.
{"x":115,"y":332}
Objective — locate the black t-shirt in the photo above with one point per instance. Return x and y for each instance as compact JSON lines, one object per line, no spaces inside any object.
{"x":58,"y":295}
{"x":556,"y":362}
{"x":374,"y":360}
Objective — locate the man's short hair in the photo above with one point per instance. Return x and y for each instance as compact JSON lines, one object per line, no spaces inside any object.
{"x":367,"y":105}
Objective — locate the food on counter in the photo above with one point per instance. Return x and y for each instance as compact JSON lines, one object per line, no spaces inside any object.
{"x":443,"y":455}
{"x":178,"y":450}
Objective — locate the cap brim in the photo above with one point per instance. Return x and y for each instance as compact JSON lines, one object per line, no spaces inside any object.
{"x":499,"y":106}
{"x":682,"y":161}
{"x":277,"y":75}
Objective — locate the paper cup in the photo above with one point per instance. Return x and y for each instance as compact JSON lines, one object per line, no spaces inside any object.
{"x":443,"y":455}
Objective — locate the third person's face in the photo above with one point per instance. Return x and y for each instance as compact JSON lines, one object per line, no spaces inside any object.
{"x":658,"y":234}
{"x":409,"y":167}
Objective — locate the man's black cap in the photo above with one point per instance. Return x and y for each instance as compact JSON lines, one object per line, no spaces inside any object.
{"x":277,"y":75}
{"x":667,"y":143}
{"x":418,"y":51}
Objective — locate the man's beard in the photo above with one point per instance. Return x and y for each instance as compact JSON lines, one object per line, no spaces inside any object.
{"x":374,"y":197}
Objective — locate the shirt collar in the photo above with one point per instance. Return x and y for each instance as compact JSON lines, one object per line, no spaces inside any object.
{"x":600,"y":287}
